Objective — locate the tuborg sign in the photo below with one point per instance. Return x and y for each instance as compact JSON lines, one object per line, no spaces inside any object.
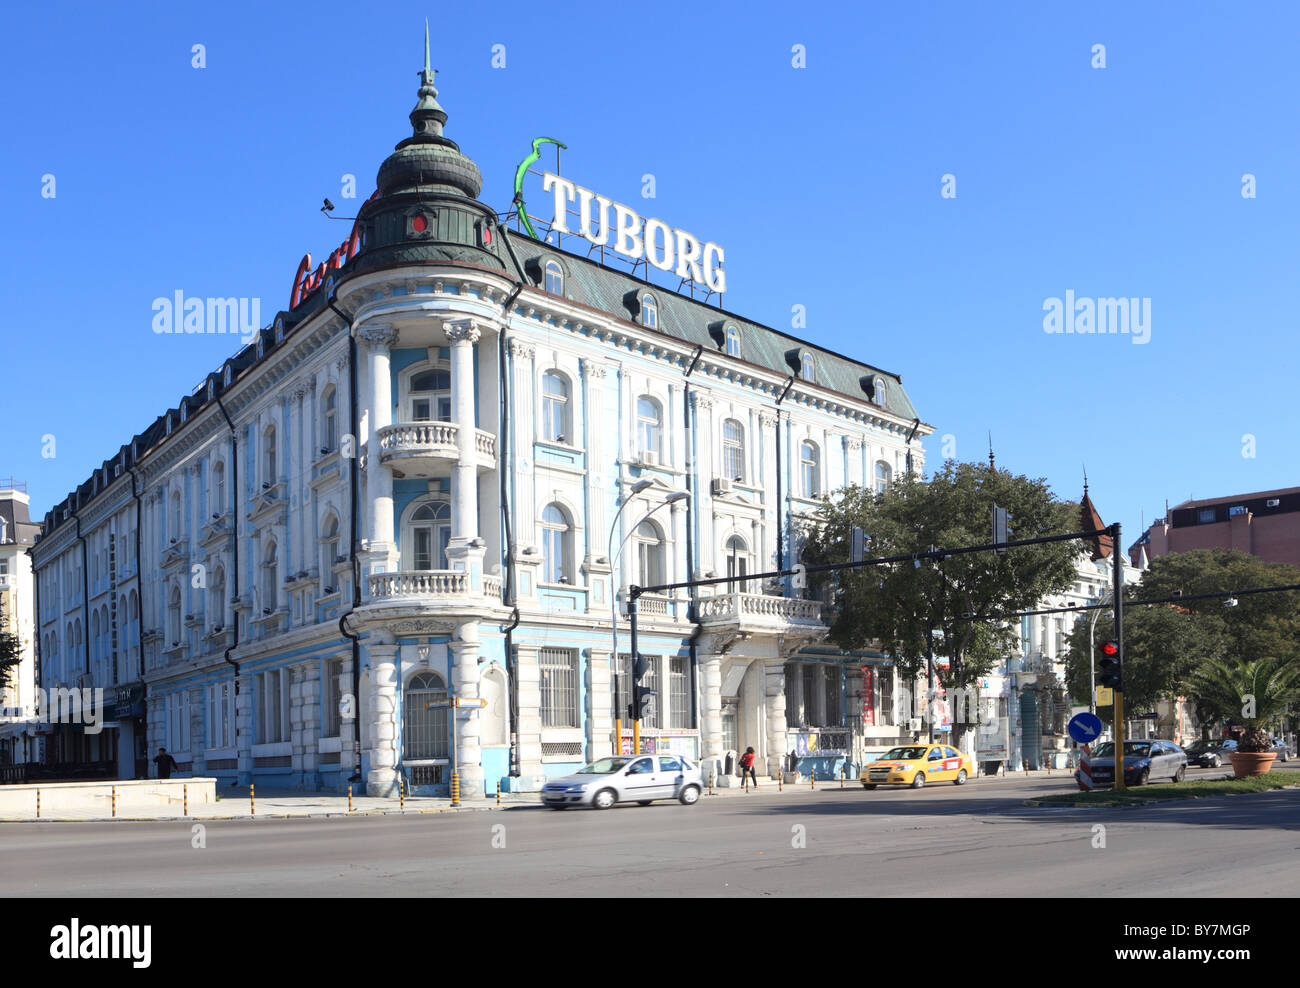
{"x":665,"y":247}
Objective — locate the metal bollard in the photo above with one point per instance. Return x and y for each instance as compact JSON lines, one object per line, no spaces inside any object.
{"x":780,"y":780}
{"x":813,"y":778}
{"x":455,"y":788}
{"x":498,"y":794}
{"x":710,"y":781}
{"x":401,"y":793}
{"x":38,"y":804}
{"x":114,"y":800}
{"x":252,"y":802}
{"x":841,"y":776}
{"x":185,"y":796}
{"x":349,"y":799}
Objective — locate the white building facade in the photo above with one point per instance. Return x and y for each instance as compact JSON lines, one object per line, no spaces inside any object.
{"x":430,"y":478}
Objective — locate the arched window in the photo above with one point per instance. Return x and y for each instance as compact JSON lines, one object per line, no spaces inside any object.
{"x":649,"y":312}
{"x":557,"y":545}
{"x":329,"y":403}
{"x":270,"y":588}
{"x":737,"y":561}
{"x":733,"y":341}
{"x":810,"y":469}
{"x":883,"y":476}
{"x":329,"y":540}
{"x":424,"y":728}
{"x":217,"y":596}
{"x":648,"y":420}
{"x":878,"y":392}
{"x":430,"y":531}
{"x":733,"y":450}
{"x":430,"y":396}
{"x":555,"y":407}
{"x":554,"y":281}
{"x":650,"y":555}
{"x":807,"y":367}
{"x":219,"y":488}
{"x":268,"y":457}
{"x":174,"y":617}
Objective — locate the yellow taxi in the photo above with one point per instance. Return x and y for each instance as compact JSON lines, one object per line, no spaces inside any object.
{"x":916,"y":764}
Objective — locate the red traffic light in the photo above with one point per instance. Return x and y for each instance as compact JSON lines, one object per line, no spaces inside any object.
{"x":1109,"y":648}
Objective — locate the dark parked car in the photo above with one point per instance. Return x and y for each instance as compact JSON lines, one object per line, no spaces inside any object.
{"x":1144,"y":761}
{"x":1211,"y":754}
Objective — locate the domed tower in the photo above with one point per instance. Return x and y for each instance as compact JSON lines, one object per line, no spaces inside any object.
{"x":426,"y":208}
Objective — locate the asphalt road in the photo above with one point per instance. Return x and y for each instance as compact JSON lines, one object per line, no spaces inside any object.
{"x":977,"y":840}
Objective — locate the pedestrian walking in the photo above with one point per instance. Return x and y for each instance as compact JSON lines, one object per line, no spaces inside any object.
{"x":747,"y":767}
{"x":165,"y":762}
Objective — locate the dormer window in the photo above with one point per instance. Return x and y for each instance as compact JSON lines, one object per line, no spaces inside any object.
{"x":185,"y":411}
{"x":227,"y":377}
{"x":169,"y":423}
{"x":279,"y":330}
{"x":878,"y":392}
{"x":807,"y":367}
{"x":649,"y":311}
{"x":261,"y":347}
{"x":733,"y":341}
{"x":553,"y":278}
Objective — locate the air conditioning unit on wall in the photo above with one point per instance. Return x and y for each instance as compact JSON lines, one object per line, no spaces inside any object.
{"x":720,"y":485}
{"x":649,"y":457}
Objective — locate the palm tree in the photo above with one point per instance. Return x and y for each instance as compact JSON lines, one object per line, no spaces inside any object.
{"x":1256,"y":692}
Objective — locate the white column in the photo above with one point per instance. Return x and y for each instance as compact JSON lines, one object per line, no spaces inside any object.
{"x":381,"y":779}
{"x":379,"y":340}
{"x":767,"y":456}
{"x":774,"y":684}
{"x":465,"y":682}
{"x":711,"y":705}
{"x":463,"y":334}
{"x":347,"y":721}
{"x":600,"y":704}
{"x":530,"y":716}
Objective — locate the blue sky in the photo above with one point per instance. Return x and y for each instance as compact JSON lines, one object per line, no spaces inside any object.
{"x":822,"y":183}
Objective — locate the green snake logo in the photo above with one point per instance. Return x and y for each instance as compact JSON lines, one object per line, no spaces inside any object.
{"x":521,"y":171}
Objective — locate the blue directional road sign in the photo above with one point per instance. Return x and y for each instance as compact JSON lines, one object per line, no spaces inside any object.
{"x":1085,"y":727}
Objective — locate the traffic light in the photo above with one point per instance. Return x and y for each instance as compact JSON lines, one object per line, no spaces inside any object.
{"x":1111,"y":674}
{"x":1001,"y":527}
{"x":639,"y":708}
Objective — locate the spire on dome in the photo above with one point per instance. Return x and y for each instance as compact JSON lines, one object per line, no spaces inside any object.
{"x":428,"y":117}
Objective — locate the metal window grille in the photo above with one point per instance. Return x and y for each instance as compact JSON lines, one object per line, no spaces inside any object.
{"x":624,"y":698}
{"x":425,"y":732}
{"x":330,"y":698}
{"x":884,"y":696}
{"x":561,"y":749}
{"x":834,"y":710}
{"x":559,"y":686}
{"x":809,"y":691}
{"x":651,"y":682}
{"x":680,"y":705}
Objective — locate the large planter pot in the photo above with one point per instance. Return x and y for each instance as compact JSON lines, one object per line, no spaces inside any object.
{"x":1248,"y":763}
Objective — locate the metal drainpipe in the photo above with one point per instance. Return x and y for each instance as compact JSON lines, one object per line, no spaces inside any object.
{"x":355,"y":422}
{"x":85,"y":594}
{"x":510,"y":588}
{"x":780,"y":513}
{"x":693,"y":614}
{"x":139,"y":580}
{"x":234,"y":517}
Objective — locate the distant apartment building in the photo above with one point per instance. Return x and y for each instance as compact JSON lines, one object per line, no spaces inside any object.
{"x":17,"y":613}
{"x":1265,"y":524}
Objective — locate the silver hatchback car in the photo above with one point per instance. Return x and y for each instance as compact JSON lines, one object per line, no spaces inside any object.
{"x":625,"y":779}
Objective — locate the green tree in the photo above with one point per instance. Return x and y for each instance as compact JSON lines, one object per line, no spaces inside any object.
{"x":893,"y":605}
{"x":1256,"y":692}
{"x":1162,"y":647}
{"x":10,"y":656}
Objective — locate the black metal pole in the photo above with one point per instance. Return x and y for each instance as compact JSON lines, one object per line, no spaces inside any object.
{"x":929,"y":680}
{"x":636,"y":681}
{"x":1118,"y":708}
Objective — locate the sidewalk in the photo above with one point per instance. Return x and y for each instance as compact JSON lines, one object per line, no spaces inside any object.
{"x":282,"y":804}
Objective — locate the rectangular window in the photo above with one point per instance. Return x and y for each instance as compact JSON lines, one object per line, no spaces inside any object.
{"x":272,"y":699}
{"x":834,"y":710}
{"x":651,"y":681}
{"x":332,"y":718}
{"x":624,"y":697}
{"x":559,"y":686}
{"x":809,"y":672}
{"x":680,"y":705}
{"x":221,"y":715}
{"x":884,"y":696}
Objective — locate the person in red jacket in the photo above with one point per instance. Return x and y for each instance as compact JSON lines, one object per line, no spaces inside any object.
{"x":747,"y":767}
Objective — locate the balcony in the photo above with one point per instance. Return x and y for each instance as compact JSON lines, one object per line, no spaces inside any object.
{"x":430,"y":586}
{"x":428,"y":449}
{"x":761,"y":613}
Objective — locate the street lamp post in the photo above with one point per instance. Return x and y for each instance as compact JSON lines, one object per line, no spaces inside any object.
{"x":614,"y":557}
